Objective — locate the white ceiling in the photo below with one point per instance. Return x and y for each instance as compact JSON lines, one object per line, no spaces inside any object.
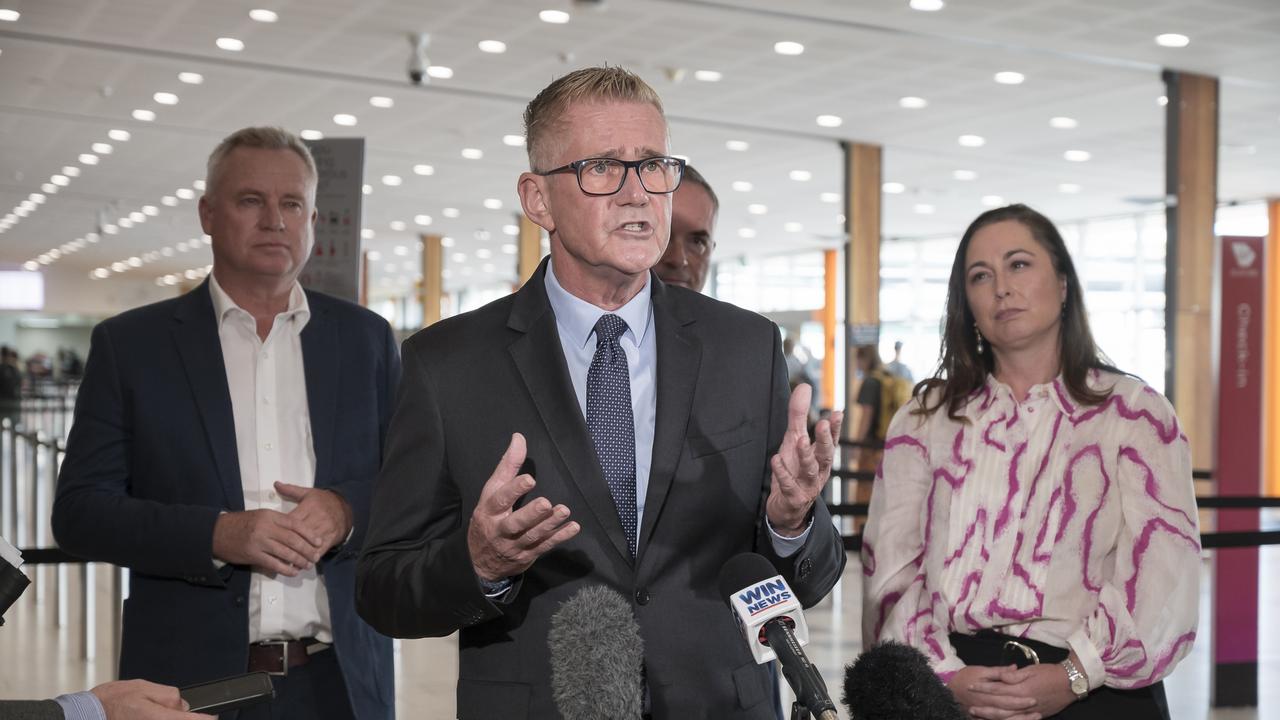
{"x":70,"y":70}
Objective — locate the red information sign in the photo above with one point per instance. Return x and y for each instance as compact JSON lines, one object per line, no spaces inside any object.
{"x":1238,"y":467}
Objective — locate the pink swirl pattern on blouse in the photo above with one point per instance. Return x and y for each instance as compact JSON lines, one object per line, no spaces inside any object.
{"x":1040,"y":518}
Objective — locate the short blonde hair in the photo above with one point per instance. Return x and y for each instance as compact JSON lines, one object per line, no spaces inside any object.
{"x":260,"y":138}
{"x":592,"y":84}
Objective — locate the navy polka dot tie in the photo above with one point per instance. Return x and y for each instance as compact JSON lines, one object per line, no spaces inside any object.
{"x":610,"y":420}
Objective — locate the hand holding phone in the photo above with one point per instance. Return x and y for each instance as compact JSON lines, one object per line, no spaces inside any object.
{"x":228,"y":694}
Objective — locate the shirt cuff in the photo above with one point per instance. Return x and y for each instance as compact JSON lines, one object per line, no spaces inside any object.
{"x":81,"y":706}
{"x":784,"y":546}
{"x":1090,"y":660}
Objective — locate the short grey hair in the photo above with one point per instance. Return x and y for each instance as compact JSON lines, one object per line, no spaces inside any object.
{"x":586,"y":85}
{"x":260,"y":138}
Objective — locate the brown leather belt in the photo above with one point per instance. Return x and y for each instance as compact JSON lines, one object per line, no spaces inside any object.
{"x":276,"y":657}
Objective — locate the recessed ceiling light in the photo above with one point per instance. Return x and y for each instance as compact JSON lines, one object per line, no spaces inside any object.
{"x":137,"y":217}
{"x":367,"y":189}
{"x":757,"y":209}
{"x":382,"y":101}
{"x":1009,"y":77}
{"x":992,"y":201}
{"x":911,"y":102}
{"x":1069,"y":188}
{"x":484,"y":253}
{"x":185,"y":193}
{"x":555,"y":17}
{"x":190,"y":78}
{"x":345,"y":119}
{"x":450,"y":212}
{"x":144,"y":115}
{"x":927,"y":5}
{"x":793,"y":227}
{"x":472,"y":153}
{"x":510,"y":230}
{"x":493,"y":203}
{"x":787,"y":47}
{"x":37,"y":198}
{"x":398,"y":226}
{"x":367,"y":233}
{"x":742,"y":186}
{"x":423,"y":170}
{"x":513,"y":140}
{"x":311,"y":135}
{"x":971,"y":140}
{"x":169,"y":201}
{"x":964,"y":175}
{"x":746,"y":233}
{"x":400,"y":250}
{"x":829,"y":197}
{"x":49,"y":188}
{"x":374,"y":256}
{"x":101,"y":148}
{"x":165,"y":98}
{"x":492,"y":46}
{"x":88,"y":159}
{"x":893,"y":188}
{"x":119,"y":135}
{"x":229,"y":44}
{"x":101,"y":273}
{"x":707,"y":75}
{"x":31,"y":266}
{"x":446,"y":241}
{"x":392,"y":180}
{"x":423,"y":220}
{"x":1063,"y":123}
{"x":440,"y":72}
{"x":1077,"y":155}
{"x":923,"y":209}
{"x":263,"y":16}
{"x":125,"y":223}
{"x":1162,"y":100}
{"x":1172,"y":40}
{"x":737,"y":145}
{"x":61,"y":180}
{"x":830,"y":121}
{"x":71,"y":171}
{"x":800,"y":175}
{"x":8,"y":15}
{"x":151,"y":210}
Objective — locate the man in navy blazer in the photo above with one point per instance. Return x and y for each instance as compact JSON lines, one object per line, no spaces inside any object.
{"x":224,"y":449}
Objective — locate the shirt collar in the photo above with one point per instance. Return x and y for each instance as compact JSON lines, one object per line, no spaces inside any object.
{"x":577,"y":318}
{"x":299,"y":310}
{"x":994,"y":392}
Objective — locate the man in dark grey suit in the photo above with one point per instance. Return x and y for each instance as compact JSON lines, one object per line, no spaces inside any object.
{"x":653,"y":422}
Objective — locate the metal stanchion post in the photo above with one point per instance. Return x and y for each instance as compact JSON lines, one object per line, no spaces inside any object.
{"x":88,"y":613}
{"x":34,"y":525}
{"x":8,"y":472}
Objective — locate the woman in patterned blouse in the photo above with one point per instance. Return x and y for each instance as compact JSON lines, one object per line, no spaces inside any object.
{"x":1032,"y":493}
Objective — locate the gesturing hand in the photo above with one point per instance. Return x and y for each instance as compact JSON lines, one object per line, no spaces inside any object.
{"x":142,"y":700}
{"x":324,"y":514}
{"x":503,"y":541}
{"x":800,"y":468}
{"x":268,"y":540}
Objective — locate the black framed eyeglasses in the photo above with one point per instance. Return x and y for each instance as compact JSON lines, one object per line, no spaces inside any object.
{"x":606,"y":176}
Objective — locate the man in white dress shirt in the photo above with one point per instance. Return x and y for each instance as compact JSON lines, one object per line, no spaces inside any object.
{"x":224,"y":447}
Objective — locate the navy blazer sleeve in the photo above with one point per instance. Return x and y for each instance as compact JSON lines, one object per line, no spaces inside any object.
{"x":93,"y":512}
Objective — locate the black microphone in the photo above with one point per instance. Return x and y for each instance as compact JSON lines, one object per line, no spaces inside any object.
{"x":892,"y":681}
{"x":597,"y":657}
{"x":770,"y":617}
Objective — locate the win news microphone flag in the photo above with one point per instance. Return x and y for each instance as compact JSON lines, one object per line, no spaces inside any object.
{"x":770,"y":617}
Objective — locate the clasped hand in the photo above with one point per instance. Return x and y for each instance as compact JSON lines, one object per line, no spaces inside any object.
{"x":1010,"y":693}
{"x":801,"y":467}
{"x":284,"y":543}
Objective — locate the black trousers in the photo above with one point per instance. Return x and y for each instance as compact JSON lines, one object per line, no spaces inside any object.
{"x":987,"y":649}
{"x":314,"y":690}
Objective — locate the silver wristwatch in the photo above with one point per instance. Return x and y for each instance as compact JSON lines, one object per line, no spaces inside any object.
{"x":1079,"y":683}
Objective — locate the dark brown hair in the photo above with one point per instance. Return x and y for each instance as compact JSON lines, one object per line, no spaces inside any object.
{"x":962,"y":370}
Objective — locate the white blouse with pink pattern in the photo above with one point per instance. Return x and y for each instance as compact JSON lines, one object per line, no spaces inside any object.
{"x":1068,"y":524}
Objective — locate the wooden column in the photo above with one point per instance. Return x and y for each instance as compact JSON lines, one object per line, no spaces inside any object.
{"x":862,"y":259}
{"x":364,"y":278}
{"x":432,"y":286}
{"x":1191,"y":181}
{"x":528,"y":249}
{"x":1271,"y":354}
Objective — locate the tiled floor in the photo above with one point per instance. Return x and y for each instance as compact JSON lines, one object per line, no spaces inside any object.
{"x":39,"y":660}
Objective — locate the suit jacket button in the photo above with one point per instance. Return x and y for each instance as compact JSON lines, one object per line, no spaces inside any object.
{"x":239,"y":601}
{"x":642,"y":597}
{"x":805,"y":566}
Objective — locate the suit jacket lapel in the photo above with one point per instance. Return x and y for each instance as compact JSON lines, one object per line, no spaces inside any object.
{"x":320,"y":361}
{"x":679,"y":357}
{"x":540,"y":361}
{"x":195,"y":333}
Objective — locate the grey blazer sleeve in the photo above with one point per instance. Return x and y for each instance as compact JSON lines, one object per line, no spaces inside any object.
{"x":30,"y":710}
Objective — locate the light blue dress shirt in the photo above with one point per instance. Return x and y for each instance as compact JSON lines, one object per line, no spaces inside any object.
{"x":576,"y":321}
{"x":81,"y":706}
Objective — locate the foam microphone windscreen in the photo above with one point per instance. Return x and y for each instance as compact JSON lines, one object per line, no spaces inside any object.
{"x":597,"y":656}
{"x":892,"y":681}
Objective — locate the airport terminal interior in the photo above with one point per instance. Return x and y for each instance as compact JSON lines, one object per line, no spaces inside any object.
{"x":1093,"y":112}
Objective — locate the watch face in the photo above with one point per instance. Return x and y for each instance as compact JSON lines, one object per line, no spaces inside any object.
{"x":1079,"y":686}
